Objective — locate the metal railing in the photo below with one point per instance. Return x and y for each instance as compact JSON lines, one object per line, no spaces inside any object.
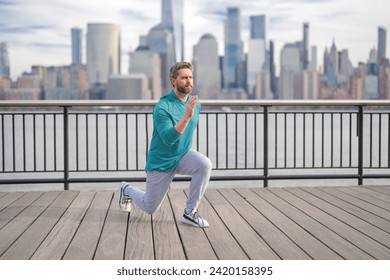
{"x":107,"y":141}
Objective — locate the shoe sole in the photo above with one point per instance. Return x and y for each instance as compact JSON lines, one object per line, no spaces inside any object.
{"x":123,"y":187}
{"x":190,"y":222}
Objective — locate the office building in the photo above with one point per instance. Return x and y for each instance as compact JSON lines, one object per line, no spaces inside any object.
{"x":207,"y":74}
{"x":172,"y":19}
{"x":145,"y":61}
{"x":234,"y":56}
{"x":77,"y":45}
{"x":131,"y":86}
{"x":159,"y":40}
{"x":4,"y":60}
{"x":290,"y":81}
{"x":255,"y":61}
{"x":103,"y":52}
{"x":305,"y":51}
{"x":381,"y":45}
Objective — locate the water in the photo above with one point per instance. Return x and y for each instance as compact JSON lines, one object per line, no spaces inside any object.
{"x":235,"y":142}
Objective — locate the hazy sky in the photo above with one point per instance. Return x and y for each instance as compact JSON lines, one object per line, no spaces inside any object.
{"x":38,"y":31}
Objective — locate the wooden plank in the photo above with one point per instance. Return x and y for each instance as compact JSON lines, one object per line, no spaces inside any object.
{"x":249,"y":240}
{"x":277,"y":240}
{"x":58,"y":240}
{"x":380,"y":189}
{"x":167,"y":244}
{"x":17,"y":206}
{"x":10,"y":232}
{"x":314,"y":207}
{"x":194,"y":240}
{"x":223,"y":243}
{"x":84,"y":243}
{"x":112,"y":242}
{"x":139,"y":244}
{"x":311,"y":245}
{"x":31,"y":239}
{"x":364,"y":227}
{"x":364,"y":210}
{"x":2,"y":194}
{"x":280,"y":198}
{"x":380,"y":200}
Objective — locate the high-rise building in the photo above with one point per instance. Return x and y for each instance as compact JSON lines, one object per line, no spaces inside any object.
{"x":258,"y":27}
{"x":305,"y":52}
{"x":131,"y":86}
{"x":290,"y":81}
{"x":172,"y":19}
{"x":145,"y":61}
{"x":272,"y":70}
{"x":77,"y":45}
{"x":207,"y":74}
{"x":103,"y":52}
{"x":159,"y":40}
{"x":234,"y":55}
{"x":381,"y":44}
{"x":4,"y":60}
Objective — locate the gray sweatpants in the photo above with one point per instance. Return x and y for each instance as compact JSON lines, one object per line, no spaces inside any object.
{"x":157,"y":183}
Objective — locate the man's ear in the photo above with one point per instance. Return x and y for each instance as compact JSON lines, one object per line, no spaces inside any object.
{"x":173,"y":82}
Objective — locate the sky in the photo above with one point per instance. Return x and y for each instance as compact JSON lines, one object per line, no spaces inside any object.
{"x":38,"y":31}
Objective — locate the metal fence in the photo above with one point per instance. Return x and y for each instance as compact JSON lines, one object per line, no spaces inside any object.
{"x":107,"y":141}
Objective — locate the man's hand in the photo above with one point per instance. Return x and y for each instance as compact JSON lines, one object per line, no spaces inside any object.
{"x":190,"y":108}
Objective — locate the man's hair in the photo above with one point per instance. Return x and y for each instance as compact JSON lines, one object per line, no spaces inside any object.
{"x":179,"y":65}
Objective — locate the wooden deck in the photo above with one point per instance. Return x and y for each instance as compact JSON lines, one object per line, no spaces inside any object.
{"x":277,"y":223}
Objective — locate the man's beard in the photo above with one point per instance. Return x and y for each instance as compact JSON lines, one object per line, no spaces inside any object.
{"x":184,"y":90}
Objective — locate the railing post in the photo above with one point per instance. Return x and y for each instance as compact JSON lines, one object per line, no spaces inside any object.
{"x":265,"y":144}
{"x":360,"y":144}
{"x":66,"y":148}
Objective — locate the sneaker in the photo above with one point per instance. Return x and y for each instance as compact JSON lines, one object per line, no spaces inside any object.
{"x":124,"y":200}
{"x":194,"y":219}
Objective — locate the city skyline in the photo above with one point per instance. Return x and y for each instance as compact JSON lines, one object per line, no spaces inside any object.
{"x":33,"y":41}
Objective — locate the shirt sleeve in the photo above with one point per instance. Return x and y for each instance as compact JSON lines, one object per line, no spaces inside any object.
{"x":165,"y":127}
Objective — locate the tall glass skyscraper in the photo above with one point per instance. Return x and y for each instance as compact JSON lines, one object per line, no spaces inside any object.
{"x":258,"y":27}
{"x":381,"y":44}
{"x":234,"y":56}
{"x":4,"y":60}
{"x":172,"y":19}
{"x":77,"y":42}
{"x":305,"y":58}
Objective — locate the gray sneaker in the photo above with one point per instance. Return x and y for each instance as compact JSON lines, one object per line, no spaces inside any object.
{"x":194,"y":219}
{"x":124,"y":200}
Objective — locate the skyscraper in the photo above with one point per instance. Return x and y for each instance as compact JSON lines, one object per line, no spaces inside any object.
{"x":290,"y":82}
{"x":305,"y":54}
{"x":381,"y":44}
{"x":103,"y":52}
{"x":207,"y":76}
{"x":172,"y":19}
{"x":258,"y":27}
{"x":234,"y":56}
{"x":4,"y":60}
{"x":77,"y":42}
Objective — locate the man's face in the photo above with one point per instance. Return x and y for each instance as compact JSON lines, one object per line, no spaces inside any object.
{"x":183,"y":83}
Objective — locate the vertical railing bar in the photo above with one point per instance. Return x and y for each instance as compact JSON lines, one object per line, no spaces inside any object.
{"x":245,"y":140}
{"x":295,"y":139}
{"x":313,"y":140}
{"x":55,"y":139}
{"x":207,"y":135}
{"x":24,"y":142}
{"x":285,"y":140}
{"x":117,"y":142}
{"x":87,"y":140}
{"x":107,"y":145}
{"x":44,"y":142}
{"x":331,"y":139}
{"x":127,"y":140}
{"x":276,"y":139}
{"x":146,"y":135}
{"x":388,"y":140}
{"x":371,"y":117}
{"x":136,"y":141}
{"x":66,"y":147}
{"x":34,"y":142}
{"x":13,"y":143}
{"x":97,"y":140}
{"x":255,"y":138}
{"x":350,"y":139}
{"x":76,"y":115}
{"x":380,"y":141}
{"x":265,"y":119}
{"x":323,"y":138}
{"x":227,"y":141}
{"x":2,"y":144}
{"x":304,"y":139}
{"x":216,"y":138}
{"x":236,"y":142}
{"x":360,"y":119}
{"x":341,"y":139}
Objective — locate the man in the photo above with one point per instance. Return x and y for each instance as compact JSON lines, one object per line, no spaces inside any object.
{"x":175,"y":118}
